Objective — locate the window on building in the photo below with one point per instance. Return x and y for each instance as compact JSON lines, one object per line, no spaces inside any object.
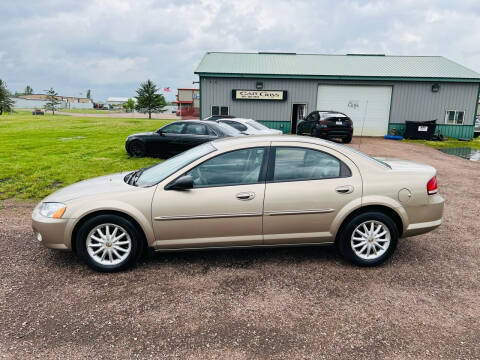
{"x":454,"y":117}
{"x":219,"y":110}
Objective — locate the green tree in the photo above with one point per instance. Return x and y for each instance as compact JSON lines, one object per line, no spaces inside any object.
{"x":148,"y":100}
{"x":129,"y":105}
{"x":89,"y":93}
{"x":28,"y":90}
{"x":6,"y":101}
{"x":52,"y":100}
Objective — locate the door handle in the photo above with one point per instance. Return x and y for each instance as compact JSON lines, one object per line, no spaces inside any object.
{"x":347,"y":189}
{"x":245,"y":196}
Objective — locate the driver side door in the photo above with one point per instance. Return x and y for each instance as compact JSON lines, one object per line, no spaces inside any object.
{"x":223,"y":209}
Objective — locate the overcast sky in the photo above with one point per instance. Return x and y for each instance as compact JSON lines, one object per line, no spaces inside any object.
{"x":110,"y":46}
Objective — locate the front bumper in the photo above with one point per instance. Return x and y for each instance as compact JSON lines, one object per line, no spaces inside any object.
{"x":52,"y":233}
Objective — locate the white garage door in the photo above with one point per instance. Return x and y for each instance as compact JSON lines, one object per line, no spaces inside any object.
{"x":367,"y":106}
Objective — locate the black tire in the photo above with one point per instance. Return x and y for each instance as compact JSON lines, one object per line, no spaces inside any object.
{"x":344,"y":240}
{"x":347,"y":140}
{"x":136,"y":247}
{"x":137,"y":148}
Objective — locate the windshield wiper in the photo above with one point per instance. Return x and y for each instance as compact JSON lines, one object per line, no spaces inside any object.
{"x":135,"y":176}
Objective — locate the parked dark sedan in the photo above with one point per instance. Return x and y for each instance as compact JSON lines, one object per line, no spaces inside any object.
{"x":327,"y":125}
{"x":177,"y":137}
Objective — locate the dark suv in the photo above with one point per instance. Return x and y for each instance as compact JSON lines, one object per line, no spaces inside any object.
{"x":327,"y":125}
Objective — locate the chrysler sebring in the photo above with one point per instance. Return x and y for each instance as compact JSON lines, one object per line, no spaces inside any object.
{"x":245,"y":192}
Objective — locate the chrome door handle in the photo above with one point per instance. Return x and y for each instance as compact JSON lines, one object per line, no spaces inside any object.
{"x":347,"y":189}
{"x":245,"y":196}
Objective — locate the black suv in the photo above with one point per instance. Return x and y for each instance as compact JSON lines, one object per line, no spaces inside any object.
{"x":327,"y":125}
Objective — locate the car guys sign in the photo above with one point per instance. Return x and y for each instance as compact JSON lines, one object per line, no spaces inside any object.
{"x":278,"y":95}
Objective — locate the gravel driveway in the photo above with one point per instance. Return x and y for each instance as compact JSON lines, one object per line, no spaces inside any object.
{"x":255,"y":304}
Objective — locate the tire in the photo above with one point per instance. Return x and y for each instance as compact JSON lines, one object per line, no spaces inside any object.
{"x":137,"y":148}
{"x":347,"y":140}
{"x":376,"y":255}
{"x":123,"y":256}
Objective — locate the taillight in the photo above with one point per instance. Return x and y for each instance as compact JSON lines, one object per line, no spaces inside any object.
{"x":432,"y":186}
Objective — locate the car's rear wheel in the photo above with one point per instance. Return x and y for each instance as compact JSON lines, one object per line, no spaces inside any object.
{"x":347,"y":140}
{"x":137,"y":148}
{"x":109,"y":243}
{"x":368,"y":239}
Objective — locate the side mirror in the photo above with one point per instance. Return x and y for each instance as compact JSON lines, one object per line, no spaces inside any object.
{"x":160,"y":132}
{"x":184,"y":182}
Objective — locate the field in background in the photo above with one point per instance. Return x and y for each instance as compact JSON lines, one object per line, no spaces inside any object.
{"x":451,"y":143}
{"x":90,"y":111}
{"x":39,"y":154}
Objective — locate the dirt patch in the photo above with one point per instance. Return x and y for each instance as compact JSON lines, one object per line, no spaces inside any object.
{"x":303,"y":303}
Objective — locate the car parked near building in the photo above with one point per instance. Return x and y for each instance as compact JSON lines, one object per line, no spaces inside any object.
{"x":249,"y":191}
{"x":327,"y":125}
{"x":476,"y":130}
{"x":248,"y":126}
{"x":176,"y":137}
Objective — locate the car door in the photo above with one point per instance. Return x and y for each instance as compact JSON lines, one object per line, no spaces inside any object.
{"x":195,"y":134}
{"x":167,"y":140}
{"x":307,"y":187}
{"x":224,"y":208}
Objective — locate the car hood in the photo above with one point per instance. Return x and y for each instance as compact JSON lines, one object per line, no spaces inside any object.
{"x":143,"y":134}
{"x":100,"y":185}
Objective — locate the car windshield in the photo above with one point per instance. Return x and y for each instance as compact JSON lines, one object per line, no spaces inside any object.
{"x":153,"y":175}
{"x":256,"y":125}
{"x":228,"y":130}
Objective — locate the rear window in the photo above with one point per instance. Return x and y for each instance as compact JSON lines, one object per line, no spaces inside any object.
{"x":257,"y":125}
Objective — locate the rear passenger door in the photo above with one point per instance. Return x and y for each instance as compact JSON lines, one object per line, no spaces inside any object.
{"x":307,"y":186}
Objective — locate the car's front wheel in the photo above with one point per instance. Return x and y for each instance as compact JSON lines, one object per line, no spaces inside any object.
{"x":347,"y":140}
{"x":368,"y":239}
{"x":109,"y":243}
{"x":137,"y":148}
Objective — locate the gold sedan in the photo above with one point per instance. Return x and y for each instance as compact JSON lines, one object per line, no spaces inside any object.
{"x":245,"y":192}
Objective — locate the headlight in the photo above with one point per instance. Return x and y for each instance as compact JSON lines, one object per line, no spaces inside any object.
{"x":52,"y":210}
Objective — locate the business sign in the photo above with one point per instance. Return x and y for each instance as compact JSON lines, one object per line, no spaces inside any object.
{"x":276,"y":95}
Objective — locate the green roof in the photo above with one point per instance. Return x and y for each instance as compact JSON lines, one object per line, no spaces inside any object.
{"x":351,"y":66}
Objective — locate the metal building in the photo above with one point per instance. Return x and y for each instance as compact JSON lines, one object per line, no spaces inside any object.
{"x":378,"y":92}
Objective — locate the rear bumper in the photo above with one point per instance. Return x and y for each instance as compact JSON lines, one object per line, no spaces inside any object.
{"x":334,"y":133}
{"x":427,"y":217}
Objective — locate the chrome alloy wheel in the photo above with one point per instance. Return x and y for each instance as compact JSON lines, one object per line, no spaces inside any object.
{"x":109,"y":244}
{"x":370,"y":239}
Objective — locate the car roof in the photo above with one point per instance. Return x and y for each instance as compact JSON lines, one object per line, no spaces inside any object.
{"x":235,"y":141}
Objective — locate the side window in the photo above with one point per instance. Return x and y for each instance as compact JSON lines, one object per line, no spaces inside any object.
{"x":313,"y":116}
{"x":237,"y":167}
{"x":195,"y":129}
{"x":175,"y":128}
{"x":296,"y":164}
{"x":236,"y":125}
{"x":215,"y":110}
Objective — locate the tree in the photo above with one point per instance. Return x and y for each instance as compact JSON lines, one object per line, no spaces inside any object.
{"x":28,"y":90}
{"x":52,"y":100}
{"x":129,"y":105}
{"x":148,"y":100}
{"x":6,"y":101}
{"x":89,"y":93}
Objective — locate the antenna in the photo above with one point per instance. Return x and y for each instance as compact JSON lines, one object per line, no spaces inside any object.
{"x":363,"y":124}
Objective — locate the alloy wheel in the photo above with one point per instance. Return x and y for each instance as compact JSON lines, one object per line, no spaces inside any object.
{"x":109,"y":244}
{"x":370,"y":240}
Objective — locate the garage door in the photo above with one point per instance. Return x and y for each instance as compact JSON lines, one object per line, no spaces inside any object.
{"x":367,"y":106}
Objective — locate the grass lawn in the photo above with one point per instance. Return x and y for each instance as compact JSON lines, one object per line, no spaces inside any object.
{"x":39,"y":154}
{"x":474,"y":144}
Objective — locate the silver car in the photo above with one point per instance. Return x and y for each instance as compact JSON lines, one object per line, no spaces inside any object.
{"x":249,"y":126}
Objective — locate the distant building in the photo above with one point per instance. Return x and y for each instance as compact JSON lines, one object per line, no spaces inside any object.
{"x":188,"y":101}
{"x":115,"y":101}
{"x":34,"y":101}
